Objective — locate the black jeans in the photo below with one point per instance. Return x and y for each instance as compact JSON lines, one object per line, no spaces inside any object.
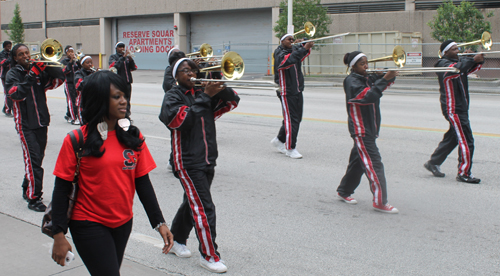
{"x":101,"y":248}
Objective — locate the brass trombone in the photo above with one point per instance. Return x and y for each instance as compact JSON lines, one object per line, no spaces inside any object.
{"x":205,"y":51}
{"x":322,"y":38}
{"x":232,"y":67}
{"x":309,"y":29}
{"x":398,"y":56}
{"x":51,"y":51}
{"x":137,"y":49}
{"x":417,"y":70}
{"x":485,"y":40}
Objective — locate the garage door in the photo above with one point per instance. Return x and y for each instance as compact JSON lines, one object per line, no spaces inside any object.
{"x":154,"y":35}
{"x":247,"y":32}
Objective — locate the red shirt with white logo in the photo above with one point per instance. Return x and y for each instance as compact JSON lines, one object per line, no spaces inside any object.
{"x":107,"y":183}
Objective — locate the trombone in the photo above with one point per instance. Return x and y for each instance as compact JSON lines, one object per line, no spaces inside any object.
{"x":417,"y":70}
{"x":398,"y":56}
{"x":485,"y":41}
{"x":205,"y":51}
{"x":322,"y":38}
{"x":232,"y":67}
{"x":309,"y":29}
{"x":137,"y":49}
{"x":478,"y":53}
{"x":51,"y":51}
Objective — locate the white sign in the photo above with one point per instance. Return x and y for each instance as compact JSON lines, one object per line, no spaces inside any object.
{"x":338,"y":40}
{"x":414,"y":58}
{"x":414,"y":42}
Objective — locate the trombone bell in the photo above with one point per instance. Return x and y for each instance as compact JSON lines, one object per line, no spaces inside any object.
{"x":309,"y":29}
{"x":231,"y":66}
{"x":398,"y":56}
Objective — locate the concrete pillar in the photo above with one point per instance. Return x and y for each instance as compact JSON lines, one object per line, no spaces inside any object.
{"x":181,"y":34}
{"x":105,"y":41}
{"x":274,"y":17}
{"x":410,"y":5}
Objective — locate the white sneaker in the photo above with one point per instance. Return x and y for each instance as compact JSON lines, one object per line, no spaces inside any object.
{"x":180,"y":250}
{"x":278,"y":144}
{"x":217,"y":267}
{"x":75,"y":122}
{"x":293,"y":153}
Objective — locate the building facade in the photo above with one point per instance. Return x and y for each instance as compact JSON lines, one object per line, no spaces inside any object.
{"x":238,"y":25}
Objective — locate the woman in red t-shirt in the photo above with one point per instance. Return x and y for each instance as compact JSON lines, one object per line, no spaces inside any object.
{"x":115,"y":164}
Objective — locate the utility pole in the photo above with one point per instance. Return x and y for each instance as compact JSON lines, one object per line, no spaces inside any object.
{"x":290,"y":28}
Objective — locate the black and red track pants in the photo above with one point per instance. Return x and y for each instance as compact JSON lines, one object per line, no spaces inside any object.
{"x":72,"y":110}
{"x":292,"y":107}
{"x":365,"y":159}
{"x":33,"y":143}
{"x":198,"y":210}
{"x":7,"y":106}
{"x":459,"y":133}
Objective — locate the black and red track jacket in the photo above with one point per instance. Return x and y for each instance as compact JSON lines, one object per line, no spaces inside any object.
{"x":190,"y":115}
{"x":123,"y":65}
{"x":28,"y":95}
{"x":288,"y":69}
{"x":5,"y":63}
{"x":362,"y":96}
{"x":454,"y":87}
{"x":79,"y":82}
{"x":70,"y":69}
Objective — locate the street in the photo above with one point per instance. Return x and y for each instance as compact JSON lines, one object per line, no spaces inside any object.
{"x":280,"y":216}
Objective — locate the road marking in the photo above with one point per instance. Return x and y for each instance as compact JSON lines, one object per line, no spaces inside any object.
{"x":147,"y":239}
{"x":482,"y":134}
{"x":157,"y":137}
{"x":383,"y":125}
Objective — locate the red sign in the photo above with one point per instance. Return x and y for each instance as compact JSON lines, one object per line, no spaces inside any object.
{"x":150,"y":41}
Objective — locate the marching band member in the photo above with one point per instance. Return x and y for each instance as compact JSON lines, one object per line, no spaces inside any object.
{"x":189,"y":113}
{"x":123,"y":63}
{"x":5,"y":61}
{"x":80,"y":75}
{"x":288,"y":74}
{"x":363,"y":94}
{"x":71,"y":63}
{"x":168,"y":80}
{"x":454,"y":90}
{"x":26,"y":84}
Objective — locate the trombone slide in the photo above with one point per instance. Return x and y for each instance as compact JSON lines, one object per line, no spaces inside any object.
{"x":417,"y":70}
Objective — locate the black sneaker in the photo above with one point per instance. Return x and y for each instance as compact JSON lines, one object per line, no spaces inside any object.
{"x":67,"y":118}
{"x":25,"y":197}
{"x":468,"y":179}
{"x":434,"y":169}
{"x":37,"y":205}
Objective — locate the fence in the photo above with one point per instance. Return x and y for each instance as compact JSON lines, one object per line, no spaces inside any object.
{"x":327,"y":58}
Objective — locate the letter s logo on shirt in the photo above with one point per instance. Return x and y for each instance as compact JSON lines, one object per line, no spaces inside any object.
{"x":130,"y":161}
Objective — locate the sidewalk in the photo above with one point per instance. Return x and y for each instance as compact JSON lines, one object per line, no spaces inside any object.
{"x":409,"y":84}
{"x":22,"y":256}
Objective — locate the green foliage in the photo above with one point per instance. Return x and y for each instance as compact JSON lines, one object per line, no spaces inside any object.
{"x":462,"y":23}
{"x":303,"y":11}
{"x":16,"y":27}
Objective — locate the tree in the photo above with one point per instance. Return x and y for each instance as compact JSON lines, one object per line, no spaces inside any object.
{"x":16,"y":27}
{"x":462,"y":23}
{"x":303,"y":11}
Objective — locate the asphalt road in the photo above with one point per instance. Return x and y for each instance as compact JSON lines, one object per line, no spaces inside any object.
{"x":279,"y":216}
